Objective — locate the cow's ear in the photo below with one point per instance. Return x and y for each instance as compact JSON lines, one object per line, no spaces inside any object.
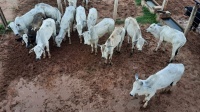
{"x":31,"y":50}
{"x":136,"y":76}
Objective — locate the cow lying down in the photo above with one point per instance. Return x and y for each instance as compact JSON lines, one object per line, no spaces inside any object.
{"x":168,"y":76}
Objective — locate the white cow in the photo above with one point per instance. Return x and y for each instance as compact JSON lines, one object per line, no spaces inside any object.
{"x":170,"y":75}
{"x":92,"y":36}
{"x":92,"y":18}
{"x":47,"y":30}
{"x":66,"y":25}
{"x":134,"y":31}
{"x":167,"y":34}
{"x":72,"y":3}
{"x":115,"y":40}
{"x":80,"y":21}
{"x":25,"y":20}
{"x":50,"y":12}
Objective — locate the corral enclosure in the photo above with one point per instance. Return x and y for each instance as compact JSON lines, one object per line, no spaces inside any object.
{"x":74,"y":80}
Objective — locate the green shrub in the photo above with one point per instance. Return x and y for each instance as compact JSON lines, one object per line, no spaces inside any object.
{"x":138,"y":2}
{"x":147,"y":17}
{"x":119,"y":21}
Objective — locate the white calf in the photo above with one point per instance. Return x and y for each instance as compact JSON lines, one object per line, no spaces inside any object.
{"x":134,"y":31}
{"x":92,"y":36}
{"x":66,"y":25}
{"x":170,"y":75}
{"x":47,"y":30}
{"x":92,"y":18}
{"x":165,"y":33}
{"x":80,"y":20}
{"x":115,"y":40}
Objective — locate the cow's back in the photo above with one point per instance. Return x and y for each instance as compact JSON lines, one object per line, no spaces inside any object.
{"x":104,"y":26}
{"x":171,"y":73}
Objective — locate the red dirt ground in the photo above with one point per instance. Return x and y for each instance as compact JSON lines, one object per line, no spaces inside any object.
{"x":74,"y":80}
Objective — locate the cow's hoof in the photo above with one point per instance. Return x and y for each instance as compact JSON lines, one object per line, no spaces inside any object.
{"x":111,"y":63}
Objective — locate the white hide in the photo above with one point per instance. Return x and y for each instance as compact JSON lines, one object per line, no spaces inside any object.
{"x":92,"y":18}
{"x":25,"y":20}
{"x":115,"y":40}
{"x":80,"y":21}
{"x":47,"y":30}
{"x":66,"y":25}
{"x":169,"y":75}
{"x":72,"y":3}
{"x":92,"y":36}
{"x":165,"y":33}
{"x":134,"y":32}
{"x":50,"y":12}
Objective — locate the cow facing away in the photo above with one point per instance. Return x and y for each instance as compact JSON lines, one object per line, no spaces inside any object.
{"x":195,"y":23}
{"x":80,"y":21}
{"x":92,"y":18}
{"x":167,"y":34}
{"x":66,"y":25}
{"x":92,"y":36}
{"x":134,"y":32}
{"x":115,"y":40}
{"x":47,"y":30}
{"x":169,"y":75}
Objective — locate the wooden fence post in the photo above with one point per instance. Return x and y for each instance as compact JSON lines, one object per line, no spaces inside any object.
{"x":115,"y":10}
{"x":164,"y":4}
{"x":192,"y":16}
{"x":59,"y":2}
{"x":3,"y":19}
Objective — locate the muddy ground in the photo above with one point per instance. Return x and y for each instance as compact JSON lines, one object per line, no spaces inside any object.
{"x":74,"y":80}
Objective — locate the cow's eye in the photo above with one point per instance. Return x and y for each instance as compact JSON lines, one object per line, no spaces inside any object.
{"x":18,"y":24}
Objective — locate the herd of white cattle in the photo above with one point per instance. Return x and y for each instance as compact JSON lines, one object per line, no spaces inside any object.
{"x":42,"y":22}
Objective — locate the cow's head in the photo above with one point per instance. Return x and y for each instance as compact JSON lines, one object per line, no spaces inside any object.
{"x":152,"y":28}
{"x":58,"y":40}
{"x":137,"y":86}
{"x":104,"y":51}
{"x":38,"y":51}
{"x":13,"y":27}
{"x":87,"y":37}
{"x":140,"y":43}
{"x":19,"y":24}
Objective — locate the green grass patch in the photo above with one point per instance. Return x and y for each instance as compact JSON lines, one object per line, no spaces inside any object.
{"x":147,"y":17}
{"x":3,"y":30}
{"x":138,"y":2}
{"x":119,"y":21}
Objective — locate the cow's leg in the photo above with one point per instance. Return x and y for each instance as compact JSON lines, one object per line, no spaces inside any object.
{"x":92,"y":48}
{"x":69,"y":36}
{"x":110,"y":58}
{"x":158,"y":45}
{"x":44,"y":54}
{"x":148,"y":98}
{"x":48,"y":51}
{"x":175,"y":48}
{"x":86,"y":4}
{"x":95,"y":46}
{"x":164,"y":46}
{"x":120,"y":45}
{"x":80,"y":39}
{"x":132,"y":49}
